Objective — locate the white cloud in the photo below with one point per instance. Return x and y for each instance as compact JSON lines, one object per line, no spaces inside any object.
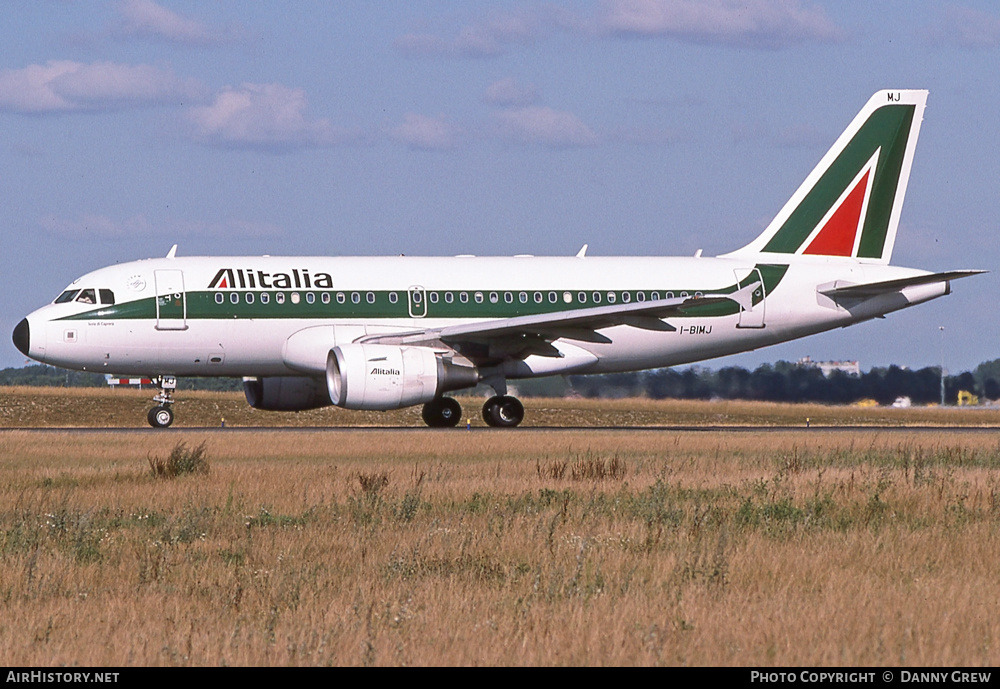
{"x":92,"y":226}
{"x":543,"y":125}
{"x":743,"y":23}
{"x":427,"y":133}
{"x":748,"y":23}
{"x":263,"y":116}
{"x":489,"y":38}
{"x":66,"y":86}
{"x":966,"y":28}
{"x":509,"y":92}
{"x":147,"y":19}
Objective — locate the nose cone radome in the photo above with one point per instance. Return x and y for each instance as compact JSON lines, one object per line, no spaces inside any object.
{"x":22,"y":336}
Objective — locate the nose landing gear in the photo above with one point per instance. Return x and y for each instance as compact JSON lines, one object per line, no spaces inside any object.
{"x":162,"y":415}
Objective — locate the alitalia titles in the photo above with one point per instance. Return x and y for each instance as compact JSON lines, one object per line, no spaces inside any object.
{"x":247,"y":278}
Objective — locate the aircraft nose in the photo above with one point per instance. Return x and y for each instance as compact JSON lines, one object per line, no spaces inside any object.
{"x":22,"y":336}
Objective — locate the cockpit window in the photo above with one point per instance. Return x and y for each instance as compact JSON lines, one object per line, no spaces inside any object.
{"x":87,"y":296}
{"x":107,"y":296}
{"x":66,"y":296}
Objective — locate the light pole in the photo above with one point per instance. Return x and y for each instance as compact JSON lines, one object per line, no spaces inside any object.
{"x":941,"y":328}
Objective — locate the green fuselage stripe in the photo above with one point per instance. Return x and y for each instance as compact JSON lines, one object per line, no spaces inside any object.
{"x":400,"y":304}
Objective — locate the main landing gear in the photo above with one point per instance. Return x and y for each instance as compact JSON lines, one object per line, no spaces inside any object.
{"x":503,"y":411}
{"x":444,"y":412}
{"x":499,"y":411}
{"x":162,"y":415}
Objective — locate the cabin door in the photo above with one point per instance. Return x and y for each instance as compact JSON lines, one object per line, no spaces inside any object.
{"x":418,"y":302}
{"x":171,"y":300}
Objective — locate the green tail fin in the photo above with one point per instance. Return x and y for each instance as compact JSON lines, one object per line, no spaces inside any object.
{"x":850,"y":203}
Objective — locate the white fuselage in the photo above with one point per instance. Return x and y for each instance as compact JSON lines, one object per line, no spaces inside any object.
{"x":280,"y":316}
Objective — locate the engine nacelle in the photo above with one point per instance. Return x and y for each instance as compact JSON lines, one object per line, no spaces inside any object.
{"x":286,"y":393}
{"x":373,"y":376}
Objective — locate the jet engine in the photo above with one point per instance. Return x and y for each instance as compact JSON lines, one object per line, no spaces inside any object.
{"x":374,"y":376}
{"x":286,"y":393}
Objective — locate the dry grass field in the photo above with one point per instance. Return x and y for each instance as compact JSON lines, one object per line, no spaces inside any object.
{"x":539,"y":547}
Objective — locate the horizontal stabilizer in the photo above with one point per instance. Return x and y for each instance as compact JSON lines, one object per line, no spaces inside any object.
{"x":844,"y":289}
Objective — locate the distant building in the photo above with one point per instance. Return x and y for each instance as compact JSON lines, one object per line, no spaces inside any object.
{"x":851,"y":368}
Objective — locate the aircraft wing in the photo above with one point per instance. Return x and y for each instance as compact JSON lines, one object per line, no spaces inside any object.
{"x":873,"y":289}
{"x":523,"y":335}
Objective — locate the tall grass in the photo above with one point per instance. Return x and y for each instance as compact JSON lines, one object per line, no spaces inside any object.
{"x":455,"y":548}
{"x":180,"y":461}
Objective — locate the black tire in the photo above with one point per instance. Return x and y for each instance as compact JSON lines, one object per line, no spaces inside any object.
{"x":442,"y":413}
{"x":503,"y":411}
{"x":160,"y":417}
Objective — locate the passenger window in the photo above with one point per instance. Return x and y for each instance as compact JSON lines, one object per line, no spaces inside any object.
{"x":87,"y":296}
{"x":107,"y":296}
{"x":280,"y":297}
{"x":66,"y":296}
{"x":219,"y":297}
{"x":264,"y":297}
{"x":393,"y":297}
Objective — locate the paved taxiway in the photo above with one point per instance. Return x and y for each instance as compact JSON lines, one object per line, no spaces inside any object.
{"x":962,"y":430}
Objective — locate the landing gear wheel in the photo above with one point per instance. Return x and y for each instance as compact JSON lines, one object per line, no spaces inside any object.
{"x":160,"y":417}
{"x":442,"y":413}
{"x":503,"y":411}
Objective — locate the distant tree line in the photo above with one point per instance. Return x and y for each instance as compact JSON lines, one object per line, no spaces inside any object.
{"x":789,"y":382}
{"x":40,"y":375}
{"x":779,"y":382}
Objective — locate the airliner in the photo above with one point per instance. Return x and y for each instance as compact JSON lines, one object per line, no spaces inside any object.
{"x":381,"y":333}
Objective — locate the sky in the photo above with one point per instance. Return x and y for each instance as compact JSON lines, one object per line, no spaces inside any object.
{"x":639,"y":127}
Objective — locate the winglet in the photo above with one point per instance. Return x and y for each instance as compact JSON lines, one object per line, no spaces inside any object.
{"x":582,"y":253}
{"x":172,"y":252}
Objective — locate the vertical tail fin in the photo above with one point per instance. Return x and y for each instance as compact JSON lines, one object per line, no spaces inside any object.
{"x":849,"y":205}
